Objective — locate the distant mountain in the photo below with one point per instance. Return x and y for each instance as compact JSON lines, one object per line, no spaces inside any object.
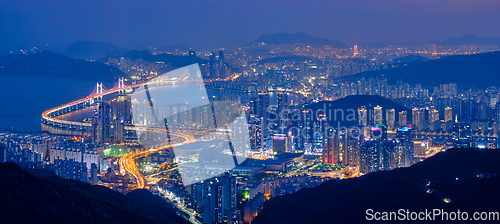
{"x":470,"y":40}
{"x":470,"y":70}
{"x":381,"y":45}
{"x":49,"y":199}
{"x":409,"y":58}
{"x":176,"y":61}
{"x":91,"y":50}
{"x":133,"y":55}
{"x":348,"y":105}
{"x":468,"y":178}
{"x":49,"y":64}
{"x":279,"y":59}
{"x":173,"y":48}
{"x":302,"y":38}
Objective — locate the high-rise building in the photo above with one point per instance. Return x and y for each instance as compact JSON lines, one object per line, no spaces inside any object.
{"x":255,"y":132}
{"x":282,"y":111}
{"x":305,"y":131}
{"x":279,"y":143}
{"x":434,"y":116}
{"x":391,"y":155}
{"x":71,"y":169}
{"x":3,"y":153}
{"x":448,"y":114}
{"x":368,"y":156}
{"x":350,"y":148}
{"x":215,"y":197}
{"x":391,"y":118}
{"x":120,"y":108}
{"x":320,"y":125}
{"x":192,"y":57}
{"x":101,"y":123}
{"x":404,"y":143}
{"x":362,"y":116}
{"x":93,"y":174}
{"x":222,"y":65}
{"x":211,"y":66}
{"x":118,"y":131}
{"x":331,"y":147}
{"x":377,"y":115}
{"x":415,"y":116}
{"x":254,"y":107}
{"x":265,"y":119}
{"x":403,"y":118}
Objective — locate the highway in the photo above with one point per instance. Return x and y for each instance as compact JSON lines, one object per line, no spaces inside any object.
{"x":127,"y":163}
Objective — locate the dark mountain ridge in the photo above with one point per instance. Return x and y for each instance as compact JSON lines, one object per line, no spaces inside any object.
{"x":468,"y":178}
{"x":49,"y":64}
{"x":480,"y":70}
{"x":338,"y":112}
{"x":49,"y":199}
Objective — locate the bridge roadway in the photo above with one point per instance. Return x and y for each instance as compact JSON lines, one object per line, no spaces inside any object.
{"x":127,"y":163}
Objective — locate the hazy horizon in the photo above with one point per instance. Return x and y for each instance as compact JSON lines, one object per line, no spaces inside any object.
{"x":227,"y":23}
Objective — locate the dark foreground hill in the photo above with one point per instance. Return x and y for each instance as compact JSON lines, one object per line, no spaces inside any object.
{"x":345,"y":111}
{"x":29,"y":199}
{"x":468,"y":178}
{"x":481,"y":70}
{"x":49,"y":64}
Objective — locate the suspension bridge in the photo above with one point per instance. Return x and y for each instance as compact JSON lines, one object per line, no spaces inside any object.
{"x":49,"y":117}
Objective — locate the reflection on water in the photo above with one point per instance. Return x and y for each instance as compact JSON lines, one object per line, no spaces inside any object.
{"x":66,"y":131}
{"x":87,"y":112}
{"x":78,"y":115}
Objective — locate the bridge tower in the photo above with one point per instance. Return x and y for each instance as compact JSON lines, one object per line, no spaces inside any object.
{"x":97,"y":93}
{"x":121,"y":85}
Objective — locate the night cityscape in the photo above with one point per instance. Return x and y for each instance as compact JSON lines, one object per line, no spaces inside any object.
{"x":249,"y":111}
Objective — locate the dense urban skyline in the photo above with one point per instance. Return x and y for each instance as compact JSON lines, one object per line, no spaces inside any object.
{"x":242,"y":112}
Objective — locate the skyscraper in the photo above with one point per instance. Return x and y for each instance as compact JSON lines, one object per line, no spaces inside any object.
{"x":279,"y":143}
{"x":377,"y":115}
{"x":211,"y":66}
{"x":101,"y":123}
{"x":448,"y":114}
{"x":362,"y":116}
{"x":403,"y":118}
{"x":434,"y":116}
{"x":404,"y":143}
{"x":216,"y":197}
{"x":350,"y":148}
{"x":192,"y":57}
{"x":222,"y":65}
{"x":415,"y":116}
{"x":118,"y":131}
{"x":264,"y":114}
{"x":282,"y":111}
{"x":331,"y":147}
{"x":391,"y":118}
{"x":120,"y":108}
{"x":369,"y":156}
